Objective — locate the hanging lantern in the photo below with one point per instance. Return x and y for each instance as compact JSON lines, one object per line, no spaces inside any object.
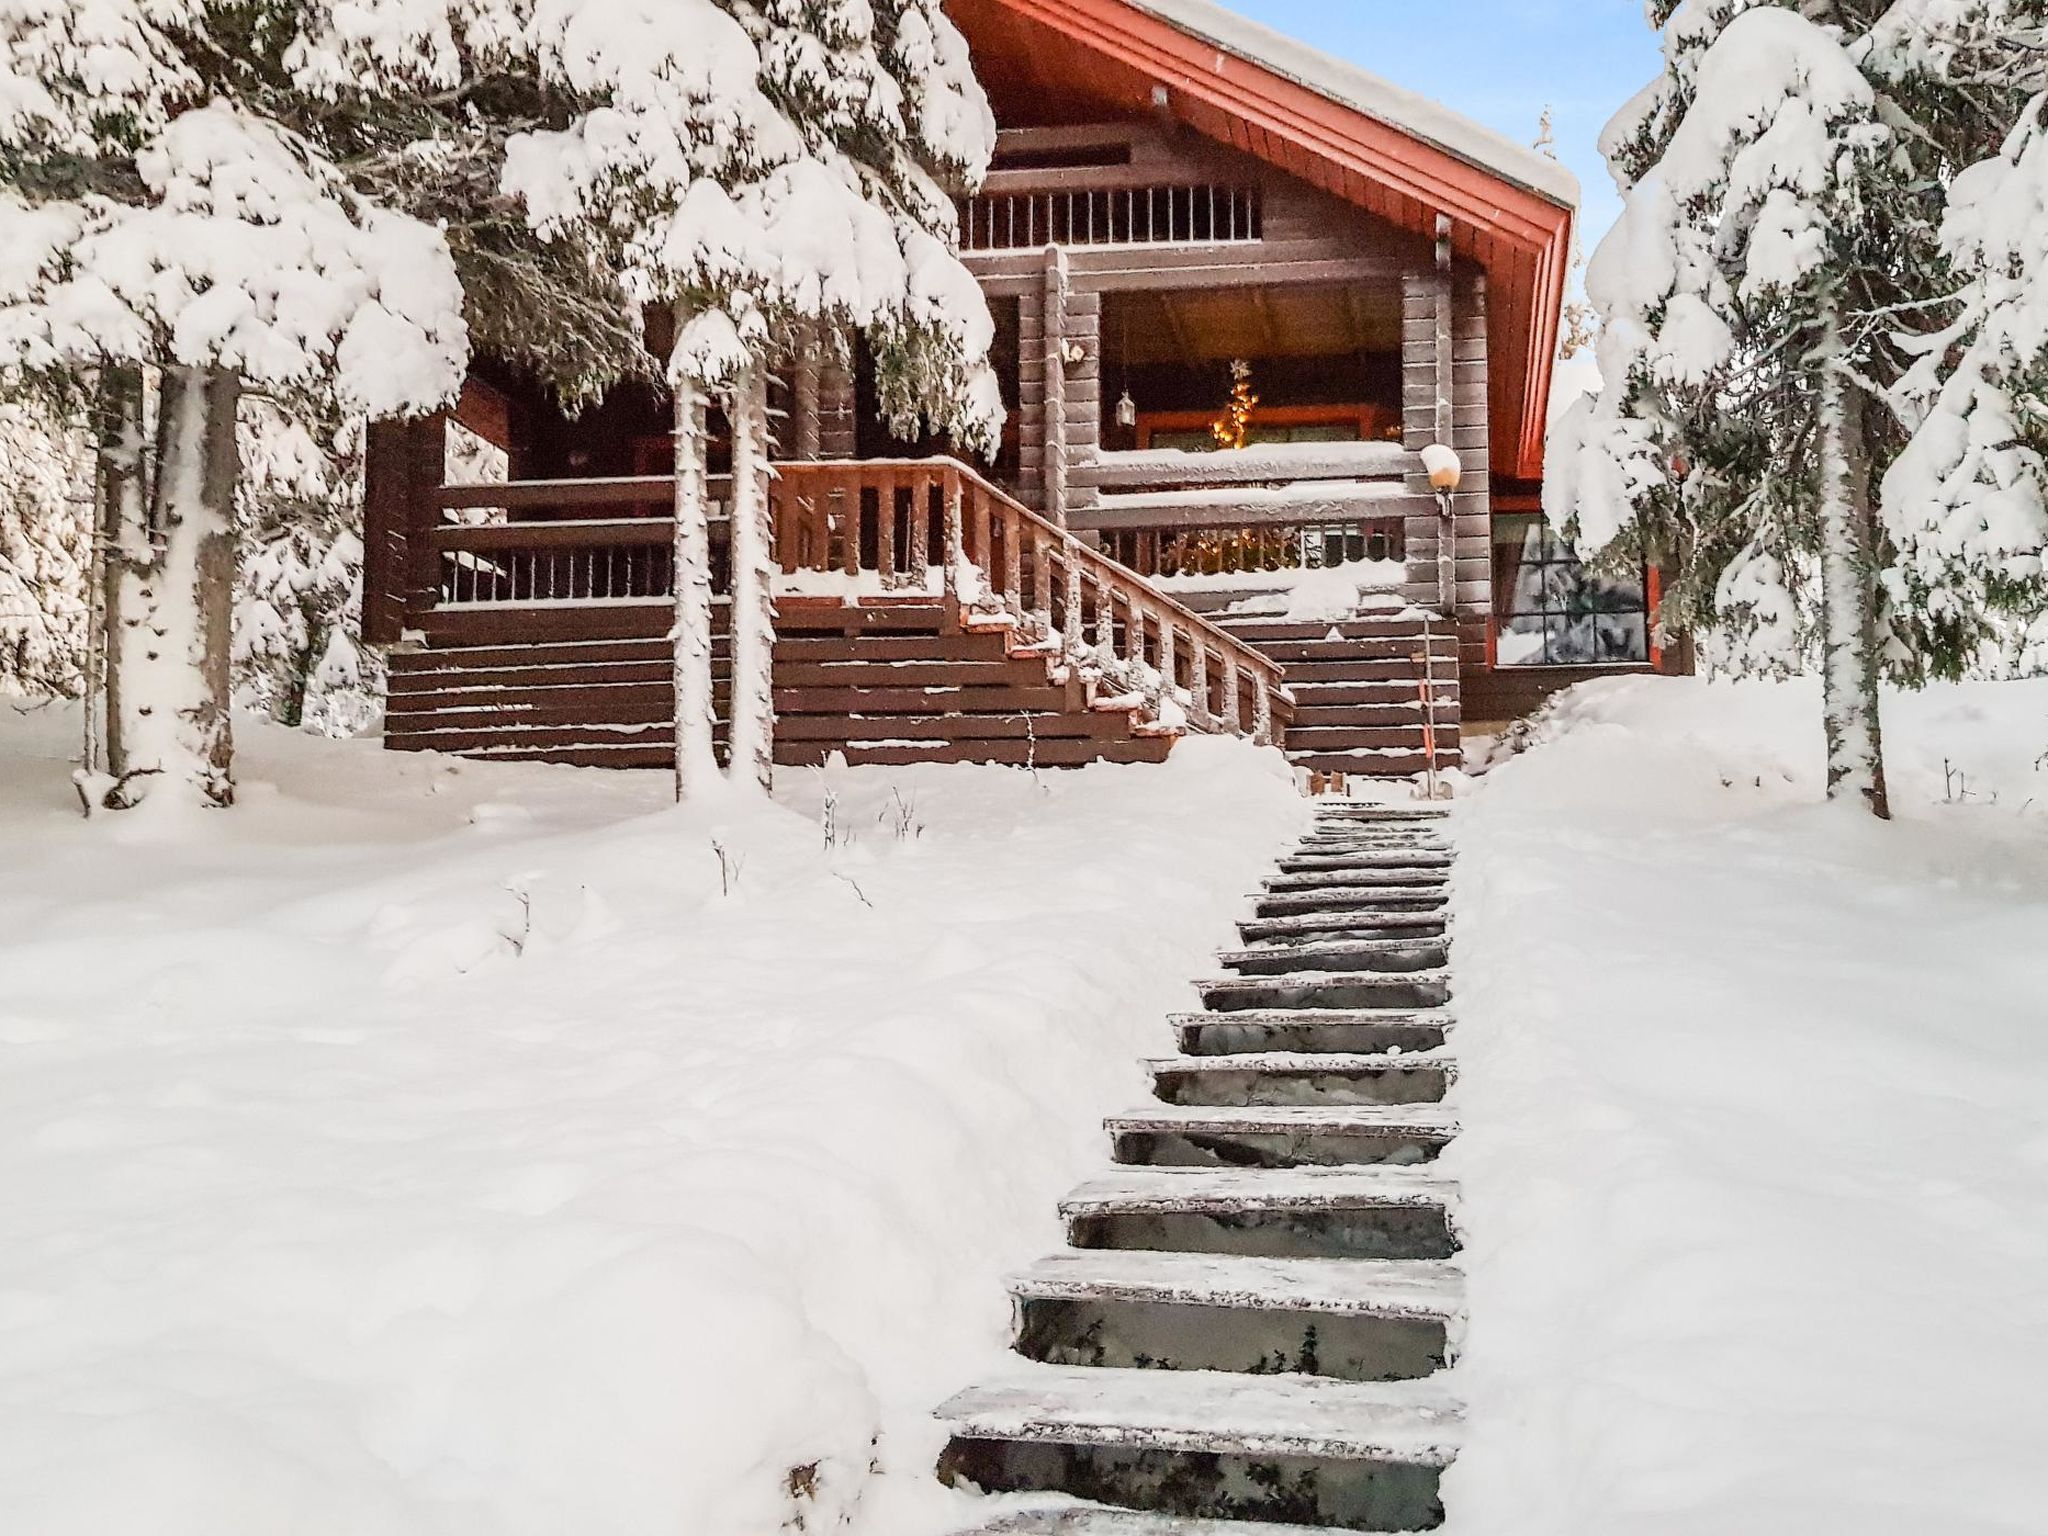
{"x":1127,"y":411}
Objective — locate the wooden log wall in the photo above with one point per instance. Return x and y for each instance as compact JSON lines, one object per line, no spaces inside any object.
{"x":1469,"y":436}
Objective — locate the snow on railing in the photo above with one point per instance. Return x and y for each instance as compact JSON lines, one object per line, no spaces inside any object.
{"x":936,"y":525}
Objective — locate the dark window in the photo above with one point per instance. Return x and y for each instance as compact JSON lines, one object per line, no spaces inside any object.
{"x":1553,"y":612}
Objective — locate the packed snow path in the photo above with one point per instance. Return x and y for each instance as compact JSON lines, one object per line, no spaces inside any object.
{"x":1250,"y":1329}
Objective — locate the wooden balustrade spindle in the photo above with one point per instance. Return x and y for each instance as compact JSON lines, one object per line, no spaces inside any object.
{"x":1262,"y":711}
{"x":1013,"y":562}
{"x":1041,"y":585}
{"x":956,"y":530}
{"x":885,"y":526}
{"x":1233,"y":705}
{"x":1076,"y":633}
{"x":850,"y":525}
{"x":921,"y":531}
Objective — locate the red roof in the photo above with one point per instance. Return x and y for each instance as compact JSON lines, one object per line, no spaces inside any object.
{"x":1340,"y":130}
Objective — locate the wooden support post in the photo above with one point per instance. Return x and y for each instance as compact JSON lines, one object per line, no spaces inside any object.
{"x":1055,"y":473}
{"x":1446,"y":418}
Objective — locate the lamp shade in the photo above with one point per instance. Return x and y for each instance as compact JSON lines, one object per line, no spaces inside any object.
{"x":1443,"y":466}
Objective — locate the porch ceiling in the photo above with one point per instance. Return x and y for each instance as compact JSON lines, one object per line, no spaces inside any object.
{"x":1062,"y":61}
{"x":1198,"y":325}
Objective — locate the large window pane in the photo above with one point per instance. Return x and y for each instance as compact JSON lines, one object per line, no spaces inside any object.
{"x":1553,"y":611}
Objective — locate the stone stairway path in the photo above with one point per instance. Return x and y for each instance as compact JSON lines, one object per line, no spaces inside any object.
{"x":1249,"y":1333}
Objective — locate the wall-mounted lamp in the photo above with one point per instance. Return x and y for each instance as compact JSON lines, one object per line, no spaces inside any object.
{"x":1446,"y":472}
{"x":1076,"y":352}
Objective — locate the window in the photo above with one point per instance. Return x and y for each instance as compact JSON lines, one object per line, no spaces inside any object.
{"x":1202,"y":440}
{"x":1553,"y":612}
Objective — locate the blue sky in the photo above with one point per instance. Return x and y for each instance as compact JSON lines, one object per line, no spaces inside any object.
{"x":1499,"y":61}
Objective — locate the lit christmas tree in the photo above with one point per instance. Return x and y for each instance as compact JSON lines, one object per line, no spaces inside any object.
{"x":1233,"y":429}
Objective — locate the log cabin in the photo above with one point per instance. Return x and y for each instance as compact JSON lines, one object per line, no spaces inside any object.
{"x":1246,"y":296}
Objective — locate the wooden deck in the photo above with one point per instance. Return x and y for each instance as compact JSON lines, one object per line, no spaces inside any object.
{"x":924,"y":617}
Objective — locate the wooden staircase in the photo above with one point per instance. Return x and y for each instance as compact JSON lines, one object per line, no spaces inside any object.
{"x":1358,"y":689}
{"x":887,"y":681}
{"x":1249,"y":1333}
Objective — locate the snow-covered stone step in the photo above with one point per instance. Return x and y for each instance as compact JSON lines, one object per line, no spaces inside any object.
{"x":1349,"y":1319}
{"x":1249,"y":1191}
{"x":1362,"y":899}
{"x":1291,"y":954}
{"x":1327,"y":989}
{"x":1325,"y":879}
{"x":1198,"y":1445}
{"x":1358,"y":922}
{"x":1367,"y":858}
{"x":1300,"y":1077}
{"x":1376,"y":837}
{"x":1279,"y":1136}
{"x":1377,"y":1212}
{"x":1331,"y":1030}
{"x":1328,"y":812}
{"x":1069,"y":1519}
{"x":1338,"y":1287}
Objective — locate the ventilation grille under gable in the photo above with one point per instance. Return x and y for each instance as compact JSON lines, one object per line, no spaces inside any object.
{"x":1173,"y":215}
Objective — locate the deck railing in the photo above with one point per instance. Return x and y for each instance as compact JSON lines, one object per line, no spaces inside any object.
{"x":561,"y":541}
{"x":936,"y":525}
{"x":873,"y":527}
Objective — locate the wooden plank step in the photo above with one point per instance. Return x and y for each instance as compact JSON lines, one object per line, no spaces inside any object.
{"x":1244,"y":1192}
{"x":931,"y":700}
{"x":1014,"y":754}
{"x":1338,"y":1287}
{"x":912,"y":674}
{"x":1214,"y":1413}
{"x":1375,"y":762}
{"x":875,"y":725}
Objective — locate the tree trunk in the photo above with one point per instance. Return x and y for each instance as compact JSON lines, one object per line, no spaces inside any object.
{"x":169,"y":691}
{"x":120,"y":512}
{"x":753,"y":592}
{"x":1849,"y":667}
{"x":696,"y":751}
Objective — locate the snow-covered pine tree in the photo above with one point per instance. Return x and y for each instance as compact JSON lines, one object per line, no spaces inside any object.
{"x":1780,"y":234}
{"x":768,"y":168}
{"x":45,"y":550}
{"x":298,"y":606}
{"x":152,"y":220}
{"x":1966,"y":503}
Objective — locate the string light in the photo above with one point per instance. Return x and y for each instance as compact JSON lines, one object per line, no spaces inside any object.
{"x":1233,"y":429}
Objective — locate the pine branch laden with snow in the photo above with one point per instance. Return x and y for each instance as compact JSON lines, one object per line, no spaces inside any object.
{"x":299,"y":601}
{"x":1965,"y":503}
{"x":45,"y":551}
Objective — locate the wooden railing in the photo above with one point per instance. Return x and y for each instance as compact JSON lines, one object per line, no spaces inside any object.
{"x":561,"y":541}
{"x":878,"y":526}
{"x":935,"y":525}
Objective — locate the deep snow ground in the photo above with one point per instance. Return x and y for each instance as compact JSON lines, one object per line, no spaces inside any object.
{"x":435,"y":1149}
{"x":1756,"y":1167}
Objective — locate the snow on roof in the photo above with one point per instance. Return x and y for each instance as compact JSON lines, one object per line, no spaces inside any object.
{"x":1365,"y":92}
